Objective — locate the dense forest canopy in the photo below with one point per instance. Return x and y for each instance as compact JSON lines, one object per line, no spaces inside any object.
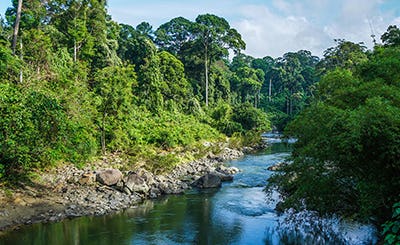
{"x":74,"y":84}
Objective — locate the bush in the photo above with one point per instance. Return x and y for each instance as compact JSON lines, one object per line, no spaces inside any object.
{"x":391,"y":229}
{"x":36,"y":133}
{"x":250,"y":118}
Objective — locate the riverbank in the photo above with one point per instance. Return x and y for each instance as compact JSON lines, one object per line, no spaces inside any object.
{"x":68,"y":192}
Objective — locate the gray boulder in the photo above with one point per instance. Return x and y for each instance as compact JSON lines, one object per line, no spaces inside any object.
{"x":135,"y":183}
{"x":109,"y":177}
{"x":210,"y":180}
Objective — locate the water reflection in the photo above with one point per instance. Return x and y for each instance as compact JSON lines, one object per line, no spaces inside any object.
{"x":238,"y":213}
{"x":235,"y":214}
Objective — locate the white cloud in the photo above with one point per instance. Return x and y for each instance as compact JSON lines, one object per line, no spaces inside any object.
{"x":268,"y":33}
{"x":289,"y":25}
{"x":278,"y":26}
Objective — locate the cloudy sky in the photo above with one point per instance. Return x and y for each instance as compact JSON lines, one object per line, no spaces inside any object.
{"x":272,"y":27}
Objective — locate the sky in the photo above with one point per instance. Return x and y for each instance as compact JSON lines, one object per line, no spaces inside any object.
{"x":272,"y":27}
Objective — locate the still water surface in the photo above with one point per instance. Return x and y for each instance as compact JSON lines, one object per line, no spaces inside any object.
{"x":238,"y":213}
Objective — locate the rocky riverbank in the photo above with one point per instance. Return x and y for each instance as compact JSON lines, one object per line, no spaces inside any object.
{"x":69,"y":192}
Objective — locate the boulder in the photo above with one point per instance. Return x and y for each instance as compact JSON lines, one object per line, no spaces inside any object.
{"x":87,"y":179}
{"x":135,"y":183}
{"x":109,"y":177}
{"x":224,"y":177}
{"x":147,"y":176}
{"x":227,"y":170}
{"x":210,"y":180}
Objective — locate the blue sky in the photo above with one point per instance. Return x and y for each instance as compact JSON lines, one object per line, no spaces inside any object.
{"x":272,"y":27}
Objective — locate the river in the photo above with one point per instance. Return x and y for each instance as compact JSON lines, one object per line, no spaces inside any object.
{"x":237,"y":213}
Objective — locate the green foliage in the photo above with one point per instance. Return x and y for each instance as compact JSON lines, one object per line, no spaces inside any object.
{"x":346,"y":55}
{"x":346,"y":158}
{"x":170,"y":130}
{"x":9,"y":64}
{"x":282,"y":87}
{"x":173,"y":35}
{"x":91,"y":84}
{"x":35,"y":132}
{"x":391,"y":229}
{"x":221,"y":116}
{"x":250,"y":118}
{"x":176,"y":90}
{"x":392,"y":36}
{"x":114,"y":87}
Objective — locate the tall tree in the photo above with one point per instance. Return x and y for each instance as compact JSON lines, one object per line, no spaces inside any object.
{"x":345,"y":54}
{"x":176,"y":90}
{"x":215,"y":36}
{"x":16,"y":25}
{"x":145,"y":29}
{"x":392,"y":36}
{"x":174,"y":34}
{"x":114,"y":87}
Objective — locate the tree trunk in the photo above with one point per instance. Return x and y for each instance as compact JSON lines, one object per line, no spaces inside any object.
{"x":291,"y":106}
{"x":287,"y":104}
{"x":103,"y":133}
{"x":206,"y":71}
{"x":21,"y":77}
{"x":16,"y":25}
{"x":269,"y":90}
{"x":75,"y":51}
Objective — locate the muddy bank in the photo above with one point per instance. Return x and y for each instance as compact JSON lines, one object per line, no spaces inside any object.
{"x":68,"y":192}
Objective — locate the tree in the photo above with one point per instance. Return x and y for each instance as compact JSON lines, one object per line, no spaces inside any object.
{"x":114,"y":86}
{"x":216,"y":37}
{"x":173,"y":35}
{"x":149,"y":91}
{"x":250,"y":118}
{"x":392,"y":36}
{"x":346,"y":158}
{"x":16,"y":25}
{"x":176,"y":90}
{"x":219,"y":87}
{"x":247,"y":83}
{"x":346,"y":55}
{"x":145,"y":29}
{"x":267,"y":65}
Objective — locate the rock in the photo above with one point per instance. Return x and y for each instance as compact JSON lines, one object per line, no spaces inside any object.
{"x":120,"y":186}
{"x":276,"y":167}
{"x":147,"y":176}
{"x":109,"y":177}
{"x":87,"y":179}
{"x":135,"y":183}
{"x":164,"y":188}
{"x":126,"y":190}
{"x":227,"y":171}
{"x":210,"y":180}
{"x":154,"y":193}
{"x":19,"y":201}
{"x":224,"y":177}
{"x":228,"y":154}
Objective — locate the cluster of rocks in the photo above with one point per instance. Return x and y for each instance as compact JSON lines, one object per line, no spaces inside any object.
{"x":107,"y":190}
{"x":99,"y":190}
{"x":145,"y":184}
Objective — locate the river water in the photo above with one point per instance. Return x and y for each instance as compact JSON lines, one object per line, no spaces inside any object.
{"x":237,"y":213}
